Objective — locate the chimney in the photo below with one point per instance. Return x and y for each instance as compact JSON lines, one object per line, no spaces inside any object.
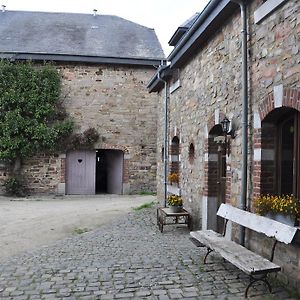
{"x":3,"y":7}
{"x":94,"y":12}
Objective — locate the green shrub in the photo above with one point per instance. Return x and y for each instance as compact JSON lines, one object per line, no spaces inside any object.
{"x":14,"y":187}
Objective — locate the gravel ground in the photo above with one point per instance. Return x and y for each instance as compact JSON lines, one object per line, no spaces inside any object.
{"x":29,"y":223}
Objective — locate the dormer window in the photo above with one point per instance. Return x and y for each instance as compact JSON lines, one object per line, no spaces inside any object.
{"x":267,"y":7}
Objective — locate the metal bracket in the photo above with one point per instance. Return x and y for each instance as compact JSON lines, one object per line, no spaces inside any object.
{"x":273,"y":250}
{"x":263,"y":278}
{"x":207,"y":253}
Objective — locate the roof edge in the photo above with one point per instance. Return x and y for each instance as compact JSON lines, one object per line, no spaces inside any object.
{"x":81,"y":58}
{"x":156,"y":82}
{"x":206,"y":21}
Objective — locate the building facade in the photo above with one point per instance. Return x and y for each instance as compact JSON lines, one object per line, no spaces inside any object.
{"x":204,"y":88}
{"x":105,"y":63}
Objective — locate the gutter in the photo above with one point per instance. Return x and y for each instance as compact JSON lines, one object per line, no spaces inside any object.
{"x":81,"y":58}
{"x":166,"y":121}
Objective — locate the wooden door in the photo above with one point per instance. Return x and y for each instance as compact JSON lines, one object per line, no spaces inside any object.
{"x":115,"y":172}
{"x":81,"y":171}
{"x":221,"y":181}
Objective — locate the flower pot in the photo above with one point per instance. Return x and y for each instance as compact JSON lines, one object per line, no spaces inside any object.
{"x":175,"y":209}
{"x":282,"y":218}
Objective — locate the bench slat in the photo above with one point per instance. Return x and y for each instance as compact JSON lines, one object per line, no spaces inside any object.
{"x":247,"y":261}
{"x":271,"y":228}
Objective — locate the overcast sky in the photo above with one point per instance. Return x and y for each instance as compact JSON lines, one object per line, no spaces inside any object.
{"x":162,"y":15}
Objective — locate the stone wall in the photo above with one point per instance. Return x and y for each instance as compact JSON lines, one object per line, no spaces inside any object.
{"x":211,"y":89}
{"x":115,"y":101}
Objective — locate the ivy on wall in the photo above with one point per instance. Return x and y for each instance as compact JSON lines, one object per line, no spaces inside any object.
{"x":31,"y":118}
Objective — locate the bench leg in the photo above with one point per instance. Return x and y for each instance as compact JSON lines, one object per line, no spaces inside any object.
{"x":263,"y":278}
{"x":207,"y":253}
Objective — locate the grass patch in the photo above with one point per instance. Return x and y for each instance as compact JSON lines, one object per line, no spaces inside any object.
{"x":80,"y":230}
{"x":147,"y":193}
{"x":145,"y":205}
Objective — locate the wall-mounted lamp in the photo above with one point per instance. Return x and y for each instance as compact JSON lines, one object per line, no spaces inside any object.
{"x":225,"y":123}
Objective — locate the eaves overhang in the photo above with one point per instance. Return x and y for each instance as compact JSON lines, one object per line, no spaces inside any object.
{"x":79,"y":58}
{"x":156,"y":83}
{"x":208,"y":22}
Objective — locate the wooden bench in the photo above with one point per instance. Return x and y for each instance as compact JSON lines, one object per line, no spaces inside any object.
{"x":256,"y":266}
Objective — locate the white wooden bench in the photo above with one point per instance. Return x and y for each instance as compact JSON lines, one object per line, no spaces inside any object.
{"x":256,"y":266}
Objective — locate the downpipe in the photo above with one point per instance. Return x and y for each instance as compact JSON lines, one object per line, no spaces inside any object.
{"x":244,"y":67}
{"x":166,"y":108}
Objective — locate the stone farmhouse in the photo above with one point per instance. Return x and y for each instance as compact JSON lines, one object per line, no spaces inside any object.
{"x":241,"y":67}
{"x":105,"y":62}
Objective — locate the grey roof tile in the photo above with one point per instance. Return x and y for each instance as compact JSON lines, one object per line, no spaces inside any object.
{"x":76,"y":34}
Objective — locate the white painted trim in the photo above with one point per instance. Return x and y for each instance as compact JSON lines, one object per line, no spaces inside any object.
{"x":205,"y":156}
{"x":61,"y":188}
{"x":206,"y":131}
{"x":278,"y":95}
{"x":217,"y":116}
{"x":256,"y":121}
{"x":257,"y":154}
{"x":228,"y":233}
{"x":266,"y":9}
{"x":174,"y":190}
{"x":228,"y":159}
{"x":204,"y":213}
{"x":175,"y":86}
{"x":63,"y":155}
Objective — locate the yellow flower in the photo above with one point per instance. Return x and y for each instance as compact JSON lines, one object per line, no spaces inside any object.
{"x":174,"y":200}
{"x":286,"y":204}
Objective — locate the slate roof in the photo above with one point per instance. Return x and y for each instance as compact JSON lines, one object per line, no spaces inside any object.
{"x":70,"y":34}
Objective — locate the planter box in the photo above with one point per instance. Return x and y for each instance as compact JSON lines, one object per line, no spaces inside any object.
{"x":282,"y":218}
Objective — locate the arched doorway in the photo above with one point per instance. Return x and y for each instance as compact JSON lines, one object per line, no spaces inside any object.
{"x":216,"y":176}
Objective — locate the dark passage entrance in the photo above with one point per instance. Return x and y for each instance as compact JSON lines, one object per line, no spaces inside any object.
{"x":109,"y":171}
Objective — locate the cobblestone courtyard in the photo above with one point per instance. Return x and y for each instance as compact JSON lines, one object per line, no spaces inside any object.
{"x":127,"y":258}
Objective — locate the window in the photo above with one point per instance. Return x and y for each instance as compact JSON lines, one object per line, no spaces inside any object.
{"x":191,"y":153}
{"x":288,"y":155}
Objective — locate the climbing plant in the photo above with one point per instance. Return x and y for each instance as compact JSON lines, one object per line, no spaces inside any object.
{"x":32,"y":119}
